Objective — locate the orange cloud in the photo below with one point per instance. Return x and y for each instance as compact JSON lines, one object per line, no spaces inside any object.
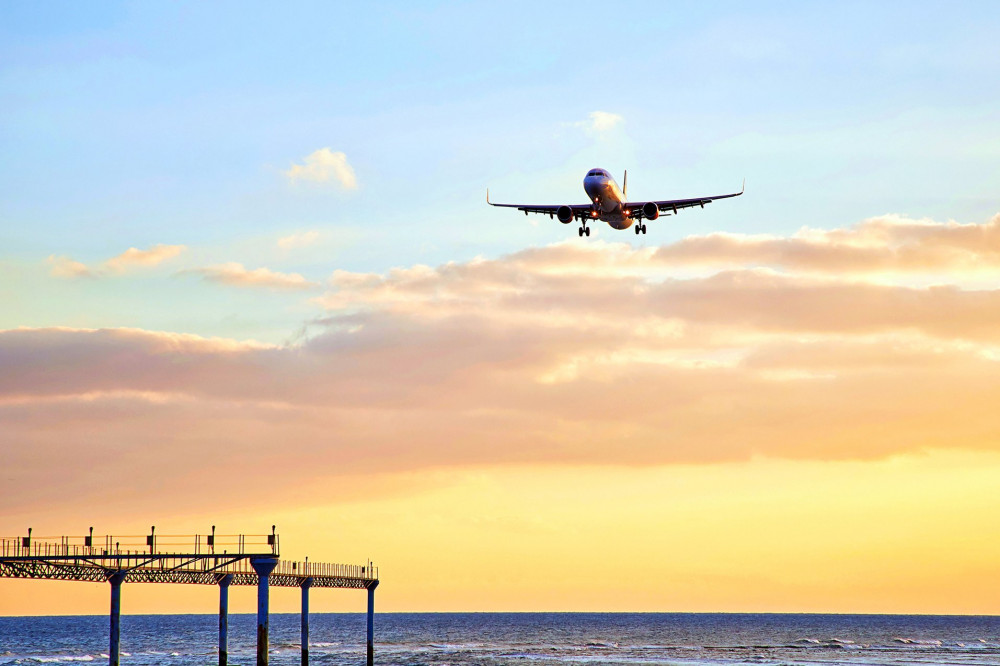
{"x":136,"y":258}
{"x":887,"y":244}
{"x":65,"y":267}
{"x":573,"y":353}
{"x":883,"y":244}
{"x":236,"y":275}
{"x":130,"y":259}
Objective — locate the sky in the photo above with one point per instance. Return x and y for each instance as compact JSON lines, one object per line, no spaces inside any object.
{"x":248,"y":277}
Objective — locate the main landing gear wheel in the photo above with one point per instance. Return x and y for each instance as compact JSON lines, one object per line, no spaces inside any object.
{"x":584,"y":231}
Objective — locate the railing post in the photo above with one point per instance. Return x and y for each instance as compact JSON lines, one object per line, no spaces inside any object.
{"x":116,"y":579}
{"x":224,"y":583}
{"x":263,"y":566}
{"x":371,"y":623}
{"x":306,"y":584}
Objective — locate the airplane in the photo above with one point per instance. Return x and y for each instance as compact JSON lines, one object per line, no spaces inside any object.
{"x":609,"y":204}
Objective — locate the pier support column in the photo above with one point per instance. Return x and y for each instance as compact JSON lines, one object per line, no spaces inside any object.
{"x":224,"y":582}
{"x":306,"y":584}
{"x":263,"y":566}
{"x":116,"y":579}
{"x":371,"y":623}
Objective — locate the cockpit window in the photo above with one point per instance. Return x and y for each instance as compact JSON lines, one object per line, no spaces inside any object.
{"x":596,"y":172}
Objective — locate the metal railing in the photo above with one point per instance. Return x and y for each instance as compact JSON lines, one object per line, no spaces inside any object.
{"x":180,"y":554}
{"x":149,"y":544}
{"x":307,"y":568}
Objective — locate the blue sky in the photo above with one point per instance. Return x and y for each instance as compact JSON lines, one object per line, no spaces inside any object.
{"x":455,"y":389}
{"x":136,"y":124}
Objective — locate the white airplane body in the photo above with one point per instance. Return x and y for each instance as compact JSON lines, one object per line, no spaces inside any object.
{"x":609,"y":203}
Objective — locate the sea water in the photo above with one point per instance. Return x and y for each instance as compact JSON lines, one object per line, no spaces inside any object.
{"x":536,"y":639}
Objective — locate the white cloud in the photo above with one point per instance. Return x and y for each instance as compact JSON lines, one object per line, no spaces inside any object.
{"x":297,"y":240}
{"x":64,"y":267}
{"x":600,"y":122}
{"x":235,"y":274}
{"x":136,"y":258}
{"x":323,"y":166}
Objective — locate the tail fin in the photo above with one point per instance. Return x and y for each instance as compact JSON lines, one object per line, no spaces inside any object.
{"x":625,"y":185}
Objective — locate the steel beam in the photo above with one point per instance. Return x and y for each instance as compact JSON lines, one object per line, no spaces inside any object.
{"x":116,"y":579}
{"x":224,"y":583}
{"x":263,"y":566}
{"x":371,"y":624}
{"x":306,"y":584}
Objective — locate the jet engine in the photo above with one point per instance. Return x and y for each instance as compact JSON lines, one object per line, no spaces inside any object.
{"x":650,"y":211}
{"x":565,"y":214}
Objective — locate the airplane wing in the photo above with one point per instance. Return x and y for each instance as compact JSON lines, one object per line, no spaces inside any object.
{"x":579,"y":211}
{"x":675,"y":205}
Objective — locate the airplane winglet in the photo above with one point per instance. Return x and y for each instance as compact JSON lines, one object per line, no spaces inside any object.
{"x":744,"y":188}
{"x":488,"y":195}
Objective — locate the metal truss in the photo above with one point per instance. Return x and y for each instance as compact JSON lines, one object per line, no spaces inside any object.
{"x":196,"y":569}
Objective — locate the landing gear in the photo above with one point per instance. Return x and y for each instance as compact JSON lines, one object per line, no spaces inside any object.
{"x":640,"y":229}
{"x":584,"y":231}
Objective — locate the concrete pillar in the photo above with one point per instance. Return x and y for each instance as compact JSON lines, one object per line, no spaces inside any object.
{"x":224,"y":582}
{"x":116,"y":579}
{"x":306,"y":584}
{"x":263,"y":566}
{"x":371,"y":623}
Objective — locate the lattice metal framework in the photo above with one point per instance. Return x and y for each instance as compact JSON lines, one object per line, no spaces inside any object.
{"x":47,"y":558}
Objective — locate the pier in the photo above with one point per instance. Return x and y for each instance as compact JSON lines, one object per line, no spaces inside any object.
{"x":208,"y":559}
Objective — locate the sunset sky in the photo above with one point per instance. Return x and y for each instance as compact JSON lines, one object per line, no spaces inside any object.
{"x":248,"y":277}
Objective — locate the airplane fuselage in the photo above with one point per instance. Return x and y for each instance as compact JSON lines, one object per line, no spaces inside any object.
{"x":607,"y":199}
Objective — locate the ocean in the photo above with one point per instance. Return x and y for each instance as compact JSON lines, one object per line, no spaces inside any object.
{"x":537,"y":639}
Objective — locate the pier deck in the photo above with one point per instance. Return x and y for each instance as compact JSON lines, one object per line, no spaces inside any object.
{"x":199,"y":559}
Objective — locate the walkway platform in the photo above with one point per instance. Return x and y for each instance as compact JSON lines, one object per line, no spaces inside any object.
{"x":209,"y":559}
